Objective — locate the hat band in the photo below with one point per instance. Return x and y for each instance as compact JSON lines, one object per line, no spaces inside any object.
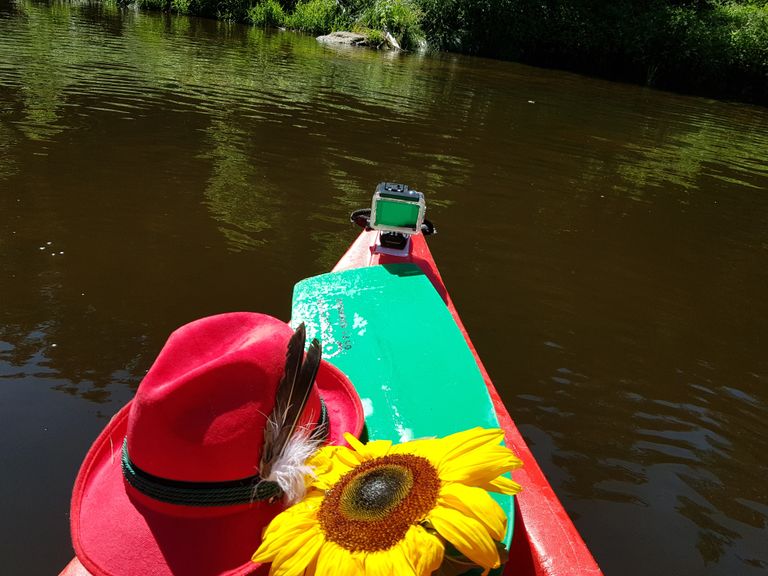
{"x":225,"y":493}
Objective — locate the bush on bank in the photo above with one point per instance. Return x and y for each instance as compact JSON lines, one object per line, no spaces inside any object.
{"x":266,"y":14}
{"x":713,"y":47}
{"x":401,"y":18}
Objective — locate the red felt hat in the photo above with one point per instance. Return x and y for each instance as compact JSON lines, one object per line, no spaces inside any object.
{"x":158,"y":491}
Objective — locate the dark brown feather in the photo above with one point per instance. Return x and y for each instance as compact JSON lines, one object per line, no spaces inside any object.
{"x":301,"y":389}
{"x":291,"y":397}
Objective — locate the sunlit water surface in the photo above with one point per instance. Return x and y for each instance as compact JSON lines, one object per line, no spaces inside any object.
{"x":606,"y":245}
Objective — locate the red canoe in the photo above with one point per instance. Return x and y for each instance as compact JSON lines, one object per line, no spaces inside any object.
{"x":545,"y":542}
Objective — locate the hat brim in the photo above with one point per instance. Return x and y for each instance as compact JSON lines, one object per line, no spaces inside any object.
{"x":118,"y":532}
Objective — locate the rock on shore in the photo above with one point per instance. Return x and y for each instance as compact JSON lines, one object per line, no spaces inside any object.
{"x":348,"y":38}
{"x":354,"y":39}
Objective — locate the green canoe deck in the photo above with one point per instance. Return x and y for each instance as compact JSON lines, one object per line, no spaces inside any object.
{"x":390,"y":332}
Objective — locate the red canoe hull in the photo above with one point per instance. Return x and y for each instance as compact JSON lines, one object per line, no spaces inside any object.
{"x":545,"y":541}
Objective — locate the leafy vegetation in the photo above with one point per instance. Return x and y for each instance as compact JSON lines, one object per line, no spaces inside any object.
{"x":266,"y":14}
{"x":317,"y":16}
{"x":715,"y":47}
{"x":706,"y":46}
{"x":402,"y":18}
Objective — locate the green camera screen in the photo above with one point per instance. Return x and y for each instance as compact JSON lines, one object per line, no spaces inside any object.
{"x":402,"y":214}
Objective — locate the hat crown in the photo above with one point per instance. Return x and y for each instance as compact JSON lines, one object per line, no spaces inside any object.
{"x":199,"y":414}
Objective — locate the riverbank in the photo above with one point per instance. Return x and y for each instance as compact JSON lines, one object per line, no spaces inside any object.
{"x":705,"y":47}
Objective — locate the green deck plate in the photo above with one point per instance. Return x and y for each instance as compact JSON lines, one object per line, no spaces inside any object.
{"x":388,"y":329}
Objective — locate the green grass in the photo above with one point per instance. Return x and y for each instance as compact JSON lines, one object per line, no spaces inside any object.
{"x":317,"y":17}
{"x":180,"y":6}
{"x":266,"y":14}
{"x":401,"y":18}
{"x":374,"y":38}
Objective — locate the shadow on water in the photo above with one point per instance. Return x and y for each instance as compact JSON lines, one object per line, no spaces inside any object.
{"x":605,"y":245}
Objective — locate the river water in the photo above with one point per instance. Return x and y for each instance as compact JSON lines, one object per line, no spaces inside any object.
{"x":606,"y":245}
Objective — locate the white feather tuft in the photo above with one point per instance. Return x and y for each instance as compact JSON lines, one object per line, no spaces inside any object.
{"x":290,"y":469}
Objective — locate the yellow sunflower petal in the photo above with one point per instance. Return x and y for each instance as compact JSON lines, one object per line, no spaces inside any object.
{"x":348,"y":457}
{"x":330,"y":463}
{"x":312,"y":501}
{"x":278,"y":535}
{"x":286,"y":531}
{"x":449,"y":448}
{"x":475,"y":503}
{"x":429,"y":448}
{"x":378,"y":448}
{"x":353,"y":441}
{"x":332,"y":455}
{"x":479,"y":466}
{"x":337,"y":561}
{"x":285,"y":526}
{"x":324,"y":454}
{"x":297,"y":555}
{"x":311,"y":568}
{"x":326,"y":481}
{"x":393,"y":561}
{"x":302,"y":513}
{"x":470,"y":440}
{"x":474,"y":438}
{"x":424,"y":550}
{"x":320,"y":460}
{"x":467,"y":535}
{"x":326,"y":559}
{"x":502,"y":485}
{"x":373,"y":449}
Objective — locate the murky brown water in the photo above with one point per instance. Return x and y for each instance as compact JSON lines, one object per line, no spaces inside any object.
{"x":606,"y":245}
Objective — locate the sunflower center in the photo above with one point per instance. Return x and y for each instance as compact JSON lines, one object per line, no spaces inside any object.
{"x":373,"y":494}
{"x":372,"y":506}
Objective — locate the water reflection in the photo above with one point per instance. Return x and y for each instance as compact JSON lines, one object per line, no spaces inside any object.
{"x":694,"y":455}
{"x":235,"y":195}
{"x":7,"y":142}
{"x":683,"y":152}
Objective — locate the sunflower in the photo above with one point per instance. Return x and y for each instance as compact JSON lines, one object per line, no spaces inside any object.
{"x":380,"y":509}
